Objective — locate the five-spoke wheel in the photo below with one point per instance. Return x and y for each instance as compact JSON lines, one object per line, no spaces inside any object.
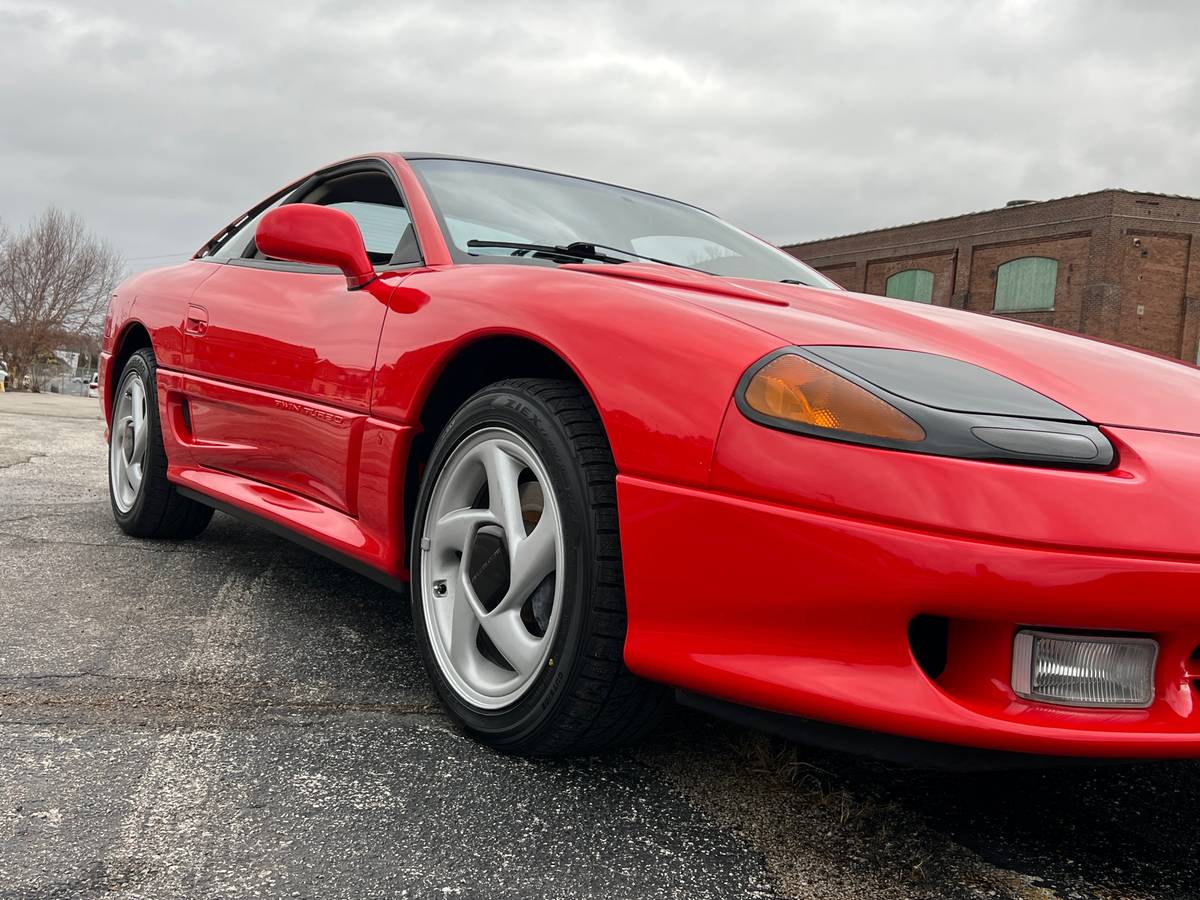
{"x":144,"y":502}
{"x":491,"y":552}
{"x":127,"y":456}
{"x":518,"y":600}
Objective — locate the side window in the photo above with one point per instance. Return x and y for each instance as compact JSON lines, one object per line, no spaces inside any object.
{"x":911,"y":284}
{"x":382,"y":226}
{"x":234,"y":244}
{"x":1026,"y":284}
{"x":373,"y":200}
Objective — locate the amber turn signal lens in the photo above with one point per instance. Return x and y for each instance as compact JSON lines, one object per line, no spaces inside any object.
{"x":793,"y":389}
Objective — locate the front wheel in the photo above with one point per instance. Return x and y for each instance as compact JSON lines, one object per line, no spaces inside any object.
{"x":144,"y":502}
{"x":518,"y":597}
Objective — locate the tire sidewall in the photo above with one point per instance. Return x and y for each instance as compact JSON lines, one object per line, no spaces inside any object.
{"x":511,"y":408}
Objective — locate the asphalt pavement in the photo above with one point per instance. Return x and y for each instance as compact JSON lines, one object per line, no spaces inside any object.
{"x":237,"y":717}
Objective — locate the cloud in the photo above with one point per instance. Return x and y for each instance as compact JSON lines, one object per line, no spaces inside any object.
{"x":159,"y":122}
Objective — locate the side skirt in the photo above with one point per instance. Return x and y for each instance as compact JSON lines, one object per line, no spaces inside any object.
{"x":349,"y":562}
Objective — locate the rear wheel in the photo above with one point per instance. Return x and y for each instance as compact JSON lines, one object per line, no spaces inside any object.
{"x":144,"y":502}
{"x":518,"y":599}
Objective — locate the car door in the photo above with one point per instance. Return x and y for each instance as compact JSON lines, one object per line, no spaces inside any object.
{"x":280,"y":356}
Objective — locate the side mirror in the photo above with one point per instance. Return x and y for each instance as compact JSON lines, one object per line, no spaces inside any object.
{"x":306,"y":233}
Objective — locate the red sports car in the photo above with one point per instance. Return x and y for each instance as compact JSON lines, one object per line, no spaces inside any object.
{"x":618,"y":447}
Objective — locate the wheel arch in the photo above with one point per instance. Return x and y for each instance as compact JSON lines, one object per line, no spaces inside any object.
{"x":133,"y":336}
{"x":470,"y":366}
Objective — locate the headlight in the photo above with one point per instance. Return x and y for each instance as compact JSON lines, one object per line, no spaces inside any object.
{"x":920,"y":402}
{"x":792,"y":389}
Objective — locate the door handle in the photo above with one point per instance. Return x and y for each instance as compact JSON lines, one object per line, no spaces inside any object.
{"x":197,"y":321}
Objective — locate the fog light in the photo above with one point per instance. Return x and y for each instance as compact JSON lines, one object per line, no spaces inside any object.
{"x":1084,"y":670}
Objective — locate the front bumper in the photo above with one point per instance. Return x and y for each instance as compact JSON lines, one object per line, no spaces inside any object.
{"x":807,"y":610}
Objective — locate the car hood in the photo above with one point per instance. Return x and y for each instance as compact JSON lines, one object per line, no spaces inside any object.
{"x":1105,"y":383}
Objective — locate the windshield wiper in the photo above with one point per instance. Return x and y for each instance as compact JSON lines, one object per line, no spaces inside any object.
{"x":585,"y":250}
{"x":586,"y":245}
{"x":571,"y":251}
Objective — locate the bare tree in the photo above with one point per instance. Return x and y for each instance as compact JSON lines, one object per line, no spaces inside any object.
{"x":55,"y":281}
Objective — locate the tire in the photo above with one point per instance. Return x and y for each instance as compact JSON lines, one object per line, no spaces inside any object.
{"x":154,"y":509}
{"x":579,"y":697}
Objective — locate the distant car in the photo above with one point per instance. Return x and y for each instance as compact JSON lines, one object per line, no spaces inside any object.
{"x":613,"y":442}
{"x":93,"y":388}
{"x":78,"y":379}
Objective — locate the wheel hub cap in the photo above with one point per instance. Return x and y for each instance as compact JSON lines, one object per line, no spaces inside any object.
{"x":127,"y":442}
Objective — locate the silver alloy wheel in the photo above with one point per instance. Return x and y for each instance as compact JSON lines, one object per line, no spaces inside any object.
{"x":491,"y":568}
{"x":128,"y":442}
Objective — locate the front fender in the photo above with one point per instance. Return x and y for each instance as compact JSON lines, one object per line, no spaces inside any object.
{"x":660,"y":369}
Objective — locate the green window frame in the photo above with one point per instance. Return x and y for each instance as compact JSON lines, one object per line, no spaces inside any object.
{"x":1026,"y":285}
{"x":910,"y":284}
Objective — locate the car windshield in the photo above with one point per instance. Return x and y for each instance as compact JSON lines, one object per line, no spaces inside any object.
{"x":485,"y":202}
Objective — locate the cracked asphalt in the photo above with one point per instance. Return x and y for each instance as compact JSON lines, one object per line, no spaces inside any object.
{"x":236,"y":717}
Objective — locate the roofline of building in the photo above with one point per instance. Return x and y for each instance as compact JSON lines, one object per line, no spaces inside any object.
{"x":981,"y":212}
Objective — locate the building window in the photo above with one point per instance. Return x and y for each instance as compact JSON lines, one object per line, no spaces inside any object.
{"x":911,"y":284}
{"x":1026,"y":284}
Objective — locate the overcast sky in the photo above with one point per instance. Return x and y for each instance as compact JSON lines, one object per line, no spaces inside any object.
{"x":159,"y":121}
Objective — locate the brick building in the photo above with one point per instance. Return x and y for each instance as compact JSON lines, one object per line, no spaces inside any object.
{"x":1114,"y":264}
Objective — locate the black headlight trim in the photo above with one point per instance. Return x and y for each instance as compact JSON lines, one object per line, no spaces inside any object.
{"x":944,"y":382}
{"x":1021,"y":439}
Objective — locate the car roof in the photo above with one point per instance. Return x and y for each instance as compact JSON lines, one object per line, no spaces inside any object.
{"x":411,"y":155}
